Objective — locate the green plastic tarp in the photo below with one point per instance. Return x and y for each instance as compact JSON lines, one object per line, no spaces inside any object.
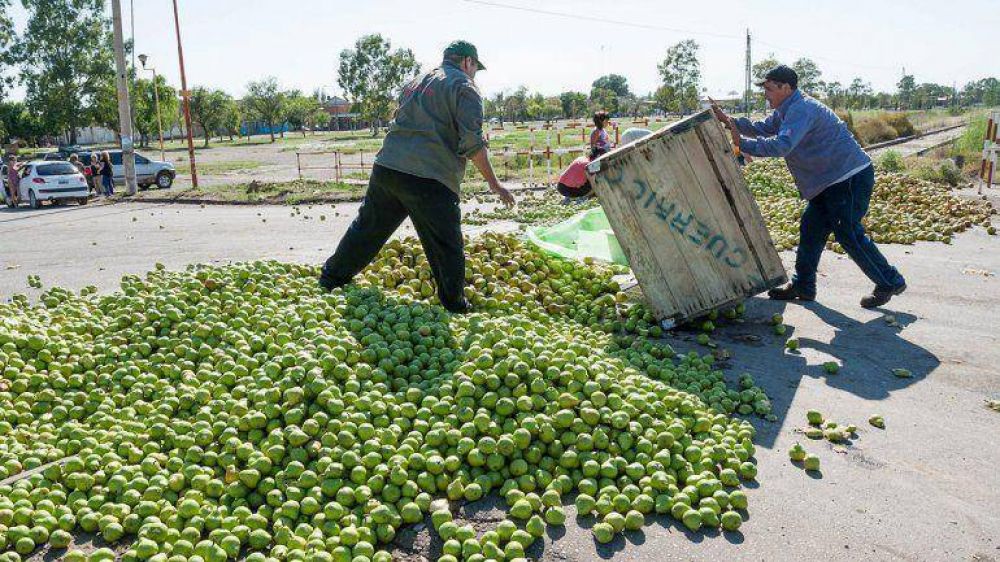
{"x":586,"y":234}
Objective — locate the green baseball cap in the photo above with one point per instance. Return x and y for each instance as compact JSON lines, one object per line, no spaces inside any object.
{"x":464,"y":49}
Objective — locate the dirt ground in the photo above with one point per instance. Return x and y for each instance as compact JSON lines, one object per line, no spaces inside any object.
{"x":926,"y":487}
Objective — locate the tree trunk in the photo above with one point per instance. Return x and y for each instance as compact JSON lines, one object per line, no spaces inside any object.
{"x":270,"y":129}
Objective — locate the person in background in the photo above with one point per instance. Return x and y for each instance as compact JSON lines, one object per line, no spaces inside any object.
{"x":12,"y":181}
{"x":600,"y":141}
{"x":107,"y":174}
{"x":573,"y":183}
{"x":94,"y":173}
{"x":74,"y":159}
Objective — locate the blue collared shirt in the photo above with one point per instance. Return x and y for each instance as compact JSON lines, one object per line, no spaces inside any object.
{"x":817,"y":146}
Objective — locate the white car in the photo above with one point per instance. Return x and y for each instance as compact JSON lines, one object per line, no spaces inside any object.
{"x":52,"y":180}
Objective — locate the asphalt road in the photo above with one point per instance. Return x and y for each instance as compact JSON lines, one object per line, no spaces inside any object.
{"x":925,"y":488}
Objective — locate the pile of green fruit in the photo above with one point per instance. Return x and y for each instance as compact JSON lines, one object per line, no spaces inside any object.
{"x":903,"y":209}
{"x":533,"y":208}
{"x":820,"y":428}
{"x":239,"y":412}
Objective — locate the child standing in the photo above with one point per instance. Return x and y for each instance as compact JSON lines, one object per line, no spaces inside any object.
{"x":600,"y":142}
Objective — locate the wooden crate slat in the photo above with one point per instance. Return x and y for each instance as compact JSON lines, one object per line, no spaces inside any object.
{"x":743,"y":204}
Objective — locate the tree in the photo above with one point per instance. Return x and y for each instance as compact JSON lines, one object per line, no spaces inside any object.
{"x":906,"y":86}
{"x":630,"y":105}
{"x":761,"y":67}
{"x":494,"y":106}
{"x":604,"y":99}
{"x":232,"y":118}
{"x":144,"y":98}
{"x":859,"y":94}
{"x":516,"y":105}
{"x":103,"y":108}
{"x":17,"y":122}
{"x":208,"y":110}
{"x":574,"y":104}
{"x":265,"y":102}
{"x":552,"y":108}
{"x":299,"y":109}
{"x":372,"y":76}
{"x":614,"y":82}
{"x":809,"y":74}
{"x":6,"y":39}
{"x":606,"y":90}
{"x":318,"y":119}
{"x":681,"y":74}
{"x":66,"y":60}
{"x":536,"y":107}
{"x":834,"y":94}
{"x":757,"y":72}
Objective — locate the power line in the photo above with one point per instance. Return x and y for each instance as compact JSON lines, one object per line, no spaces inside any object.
{"x":600,"y":19}
{"x":800,"y":52}
{"x":654,"y":27}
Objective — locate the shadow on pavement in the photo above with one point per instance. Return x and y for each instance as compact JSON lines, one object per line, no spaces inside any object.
{"x":867,"y":353}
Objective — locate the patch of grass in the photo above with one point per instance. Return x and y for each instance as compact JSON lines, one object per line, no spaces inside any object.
{"x":891,"y":161}
{"x":290,"y":192}
{"x":968,"y":148}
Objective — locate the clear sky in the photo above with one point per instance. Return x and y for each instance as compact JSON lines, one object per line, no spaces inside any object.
{"x":229,"y":42}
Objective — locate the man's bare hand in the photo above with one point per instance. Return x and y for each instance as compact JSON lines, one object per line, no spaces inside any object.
{"x":503,"y":193}
{"x":721,"y":115}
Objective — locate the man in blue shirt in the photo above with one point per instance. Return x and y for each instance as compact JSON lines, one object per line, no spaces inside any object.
{"x":831,"y":172}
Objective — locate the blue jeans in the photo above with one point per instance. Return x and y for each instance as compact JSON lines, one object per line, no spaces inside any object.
{"x":839,"y":209}
{"x":109,"y":185}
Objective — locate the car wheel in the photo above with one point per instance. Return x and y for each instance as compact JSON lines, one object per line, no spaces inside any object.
{"x":163,"y":180}
{"x":33,"y":201}
{"x":83,"y":200}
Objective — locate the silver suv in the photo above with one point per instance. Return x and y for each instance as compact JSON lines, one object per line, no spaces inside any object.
{"x":147,"y":172}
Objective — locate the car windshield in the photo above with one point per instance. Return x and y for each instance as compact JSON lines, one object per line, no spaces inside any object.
{"x":56,"y":169}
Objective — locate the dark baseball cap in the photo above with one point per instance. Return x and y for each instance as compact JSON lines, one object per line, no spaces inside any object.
{"x":783,"y":75}
{"x":464,"y":49}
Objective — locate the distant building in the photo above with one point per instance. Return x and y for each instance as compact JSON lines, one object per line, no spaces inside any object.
{"x":341,"y":116}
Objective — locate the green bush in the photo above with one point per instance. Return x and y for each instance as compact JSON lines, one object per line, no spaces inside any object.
{"x":900,"y":122}
{"x":950,"y":173}
{"x":875,"y":130}
{"x":943,"y":172}
{"x":890,"y":161}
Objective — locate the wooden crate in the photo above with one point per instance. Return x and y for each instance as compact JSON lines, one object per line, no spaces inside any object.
{"x":685,"y":218}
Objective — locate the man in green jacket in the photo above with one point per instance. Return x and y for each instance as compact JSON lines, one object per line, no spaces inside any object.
{"x":417,"y":174}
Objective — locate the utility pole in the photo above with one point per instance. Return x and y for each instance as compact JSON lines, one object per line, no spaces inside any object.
{"x":749,"y":78}
{"x":186,"y":95}
{"x":124,"y":107}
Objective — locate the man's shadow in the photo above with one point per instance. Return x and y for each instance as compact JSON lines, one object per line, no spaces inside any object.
{"x":867,"y":353}
{"x":870,"y":352}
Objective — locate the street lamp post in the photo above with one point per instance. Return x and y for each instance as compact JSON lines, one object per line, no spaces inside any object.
{"x":156,"y":101}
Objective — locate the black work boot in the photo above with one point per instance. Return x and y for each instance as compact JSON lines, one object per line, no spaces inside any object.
{"x":790,"y":292}
{"x":460,"y":307}
{"x":881,"y":295}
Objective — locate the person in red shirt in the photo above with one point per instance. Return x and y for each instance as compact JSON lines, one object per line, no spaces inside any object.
{"x":573,"y":183}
